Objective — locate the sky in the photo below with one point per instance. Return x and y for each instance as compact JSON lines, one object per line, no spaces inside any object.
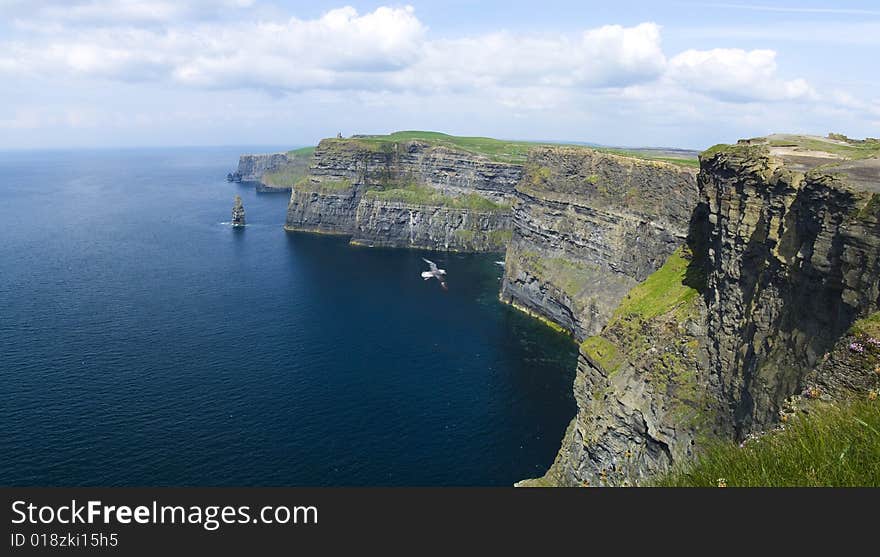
{"x":131,"y":73}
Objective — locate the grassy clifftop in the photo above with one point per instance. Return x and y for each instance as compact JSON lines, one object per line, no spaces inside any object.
{"x":498,"y":150}
{"x":302,"y":152}
{"x":834,"y":146}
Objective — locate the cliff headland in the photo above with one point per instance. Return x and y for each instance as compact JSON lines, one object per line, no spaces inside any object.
{"x":710,"y":302}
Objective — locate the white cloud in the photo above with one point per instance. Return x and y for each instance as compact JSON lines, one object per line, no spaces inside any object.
{"x":735,"y":75}
{"x":110,"y":12}
{"x":386,"y":58}
{"x":341,"y":49}
{"x":615,"y":55}
{"x":610,"y":56}
{"x":384,"y":49}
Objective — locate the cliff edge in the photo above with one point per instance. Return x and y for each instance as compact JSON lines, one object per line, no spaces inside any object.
{"x":771,"y":301}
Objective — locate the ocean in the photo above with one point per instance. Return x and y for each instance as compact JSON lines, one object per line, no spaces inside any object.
{"x":145,"y":342}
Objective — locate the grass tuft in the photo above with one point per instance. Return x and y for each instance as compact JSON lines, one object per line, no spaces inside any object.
{"x":832,"y":446}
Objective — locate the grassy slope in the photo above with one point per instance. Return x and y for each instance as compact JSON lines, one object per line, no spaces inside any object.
{"x":286,"y":176}
{"x":497,"y":149}
{"x":302,"y":152}
{"x":289,"y":175}
{"x":831,"y":446}
{"x":662,"y":291}
{"x":665,"y":291}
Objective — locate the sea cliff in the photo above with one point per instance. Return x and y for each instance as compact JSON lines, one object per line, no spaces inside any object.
{"x":272,"y":172}
{"x":587,"y":227}
{"x":707,"y":303}
{"x":405,"y":193}
{"x":766,"y":305}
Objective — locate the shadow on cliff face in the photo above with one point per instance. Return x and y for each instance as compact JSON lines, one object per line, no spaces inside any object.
{"x":698,"y":242}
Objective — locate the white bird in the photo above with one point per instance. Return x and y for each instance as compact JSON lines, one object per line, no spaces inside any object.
{"x":436,"y":273}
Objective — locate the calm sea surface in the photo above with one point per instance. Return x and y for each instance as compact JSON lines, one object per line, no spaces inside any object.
{"x":145,"y":342}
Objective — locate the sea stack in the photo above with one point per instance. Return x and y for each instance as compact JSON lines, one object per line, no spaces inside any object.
{"x":237,"y":213}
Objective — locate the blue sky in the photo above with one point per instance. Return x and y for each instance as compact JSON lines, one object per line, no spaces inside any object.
{"x":101,"y":73}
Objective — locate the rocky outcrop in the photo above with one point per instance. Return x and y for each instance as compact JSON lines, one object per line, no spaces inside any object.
{"x":793,"y":259}
{"x":325,"y":210}
{"x":405,"y":194}
{"x":252,"y":167}
{"x":589,"y":226}
{"x":272,"y":172}
{"x":394,"y":224}
{"x":445,"y":169}
{"x":775,"y":295}
{"x":238,"y":213}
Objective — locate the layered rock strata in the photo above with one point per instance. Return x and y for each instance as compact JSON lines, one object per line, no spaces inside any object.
{"x":589,"y":226}
{"x":775,"y":295}
{"x":405,"y":194}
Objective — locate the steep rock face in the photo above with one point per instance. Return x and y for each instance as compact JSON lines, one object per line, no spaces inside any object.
{"x":324,"y":211}
{"x":395,"y":224}
{"x":643,"y":402}
{"x":252,"y":167}
{"x":422,"y":185}
{"x":793,"y":259}
{"x":448,"y":170}
{"x":587,"y":227}
{"x":783,"y":256}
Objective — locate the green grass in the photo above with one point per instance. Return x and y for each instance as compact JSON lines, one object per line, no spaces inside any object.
{"x":302,"y":152}
{"x":326,"y":186}
{"x":662,"y":291}
{"x":736,"y":150}
{"x":833,"y":446}
{"x":500,"y":237}
{"x":853,"y":149}
{"x":418,"y":194}
{"x":672,"y":289}
{"x":286,"y":176}
{"x":496,"y":149}
{"x":603,"y":353}
{"x":868,"y":326}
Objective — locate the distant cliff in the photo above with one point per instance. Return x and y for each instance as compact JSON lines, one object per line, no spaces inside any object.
{"x":252,"y":167}
{"x":769,"y":305}
{"x":406,"y":193}
{"x":272,"y":172}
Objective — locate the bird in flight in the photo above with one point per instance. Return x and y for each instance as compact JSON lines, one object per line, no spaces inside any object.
{"x":434,"y":272}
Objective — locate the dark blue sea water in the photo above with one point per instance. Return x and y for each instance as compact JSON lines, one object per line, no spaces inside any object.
{"x":144,"y":342}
